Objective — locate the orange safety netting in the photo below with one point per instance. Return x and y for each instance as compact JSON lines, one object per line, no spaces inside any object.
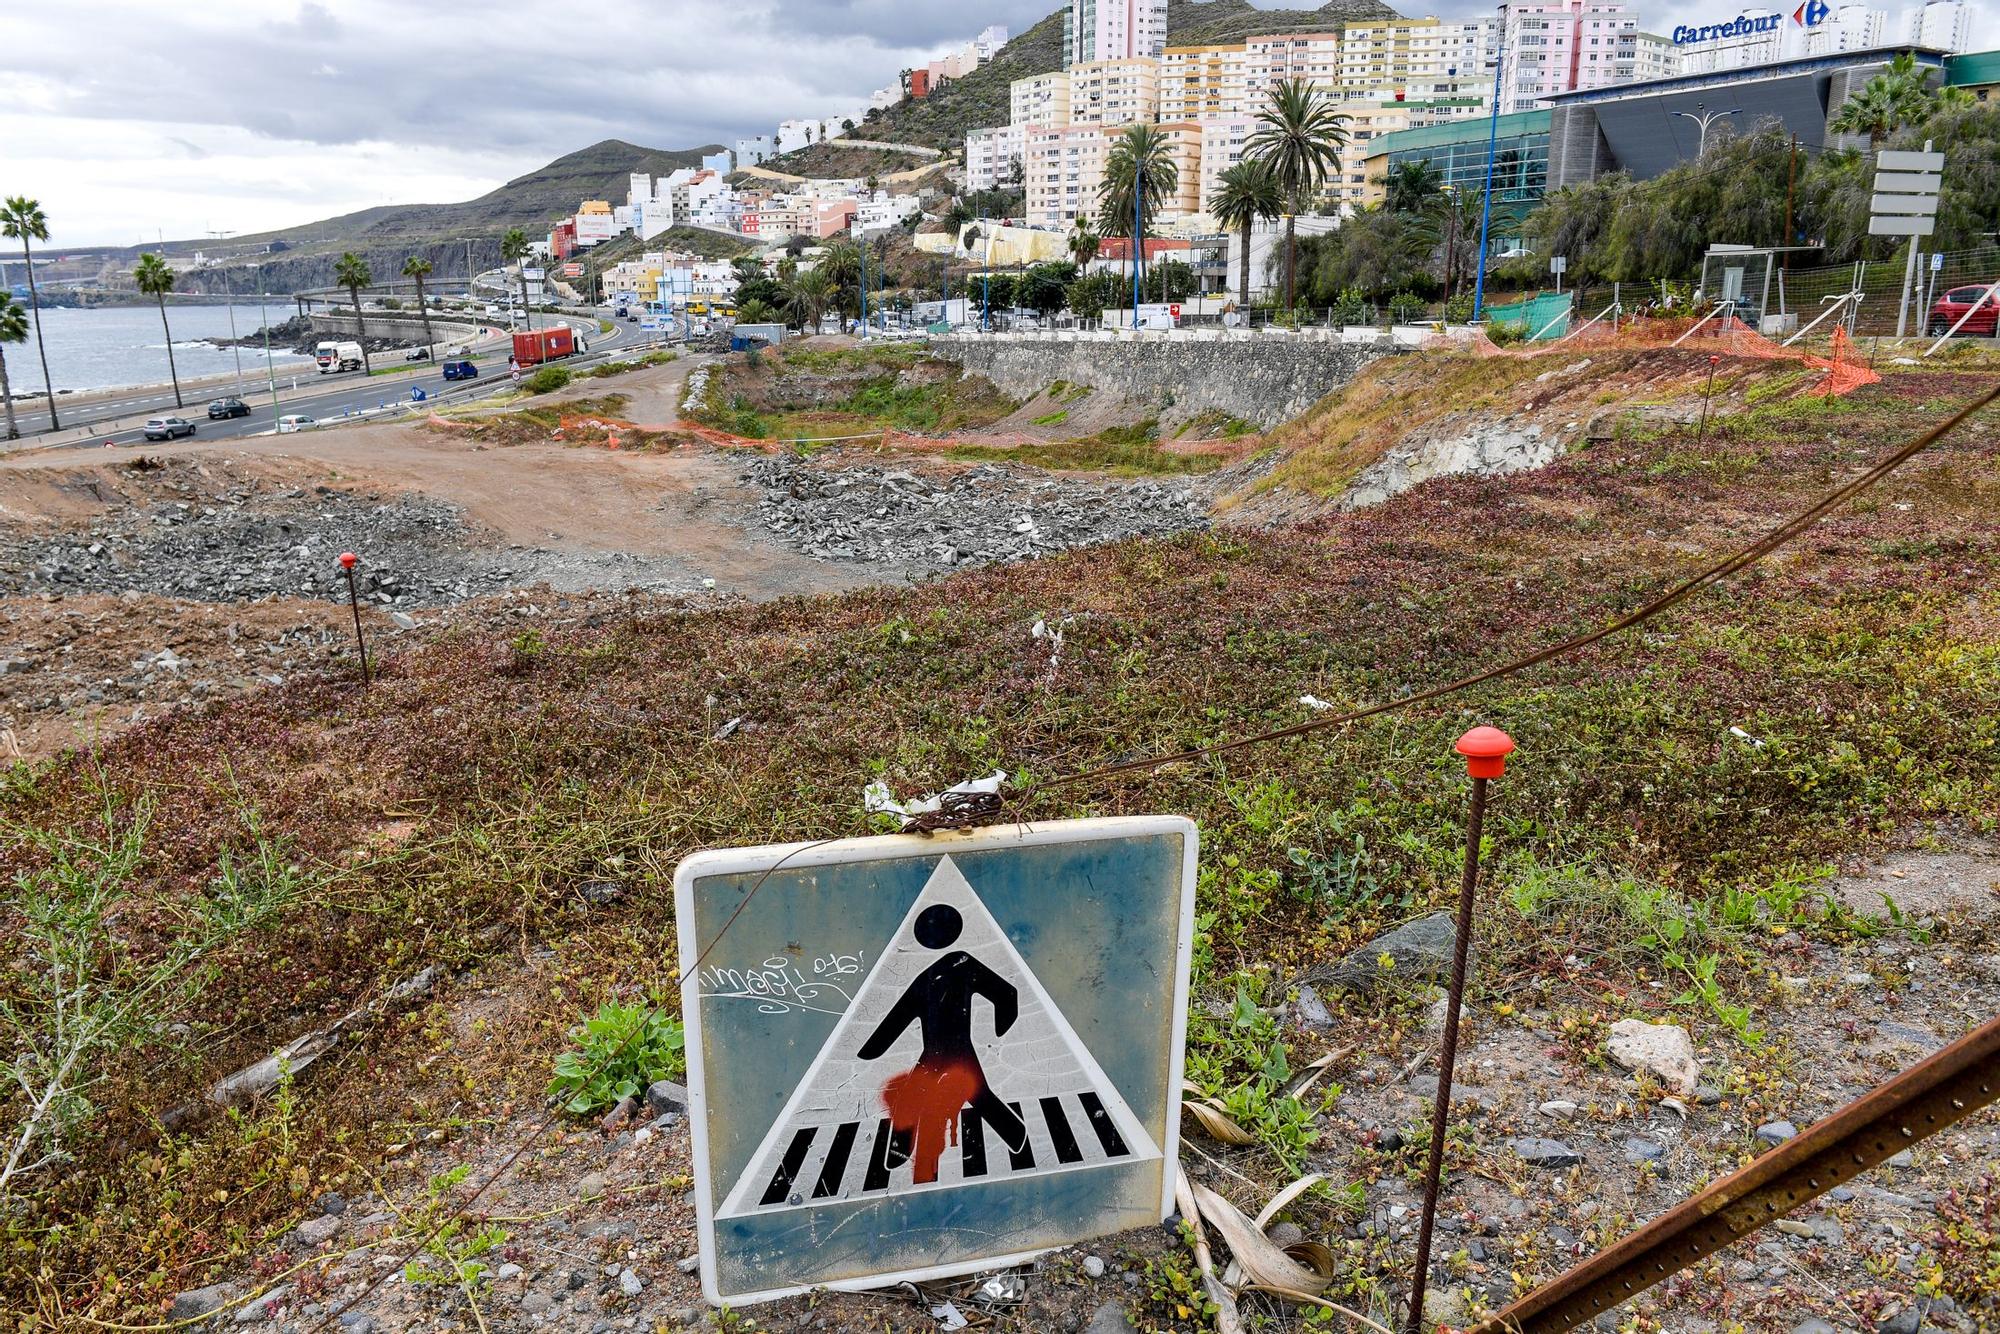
{"x":1730,"y":337}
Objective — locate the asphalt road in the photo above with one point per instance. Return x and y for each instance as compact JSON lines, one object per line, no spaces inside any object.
{"x":344,"y":394}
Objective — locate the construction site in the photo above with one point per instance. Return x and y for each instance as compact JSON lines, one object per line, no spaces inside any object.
{"x":1742,"y":870}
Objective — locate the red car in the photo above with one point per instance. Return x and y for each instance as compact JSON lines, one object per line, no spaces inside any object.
{"x":1945,"y":311}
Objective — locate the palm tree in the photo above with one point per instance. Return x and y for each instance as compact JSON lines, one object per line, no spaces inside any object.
{"x":1248,"y":195}
{"x":1413,"y":186}
{"x":1300,"y":138}
{"x":1083,"y":243}
{"x":514,"y":250}
{"x":419,"y":268}
{"x":22,"y":219}
{"x":1139,"y":176}
{"x":352,"y":272}
{"x":1892,"y":99}
{"x":155,"y":279}
{"x":808,"y":295}
{"x":13,"y":329}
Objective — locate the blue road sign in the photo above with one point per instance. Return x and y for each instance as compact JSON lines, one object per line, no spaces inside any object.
{"x":912,"y":1057}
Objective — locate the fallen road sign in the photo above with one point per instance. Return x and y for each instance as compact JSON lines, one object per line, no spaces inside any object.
{"x":917,"y":1056}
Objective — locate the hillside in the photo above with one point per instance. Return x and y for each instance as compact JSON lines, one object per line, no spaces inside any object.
{"x":981,"y":98}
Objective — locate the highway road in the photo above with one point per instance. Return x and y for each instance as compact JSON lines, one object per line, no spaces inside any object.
{"x":343,"y":394}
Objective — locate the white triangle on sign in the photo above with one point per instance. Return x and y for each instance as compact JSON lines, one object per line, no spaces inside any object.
{"x":950,"y":1068}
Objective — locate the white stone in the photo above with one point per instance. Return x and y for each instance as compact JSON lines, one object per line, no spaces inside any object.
{"x":1558,"y":1107}
{"x":1662,"y":1050}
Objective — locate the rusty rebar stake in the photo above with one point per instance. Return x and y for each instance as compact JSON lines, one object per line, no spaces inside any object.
{"x":1485,"y":749}
{"x":348,"y":560}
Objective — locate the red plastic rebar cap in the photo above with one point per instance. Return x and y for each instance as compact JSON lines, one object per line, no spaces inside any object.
{"x":1714,"y":360}
{"x":1486,"y":750}
{"x":348,"y":560}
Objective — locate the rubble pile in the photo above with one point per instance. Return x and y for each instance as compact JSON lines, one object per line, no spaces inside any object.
{"x":989,"y":513}
{"x":218,"y":548}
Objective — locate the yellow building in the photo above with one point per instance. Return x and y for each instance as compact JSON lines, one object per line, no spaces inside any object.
{"x":1040,"y":99}
{"x":1203,"y":82}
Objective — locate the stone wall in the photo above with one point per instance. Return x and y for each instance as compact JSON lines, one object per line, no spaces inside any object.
{"x":405,"y":327}
{"x":1263,"y":379}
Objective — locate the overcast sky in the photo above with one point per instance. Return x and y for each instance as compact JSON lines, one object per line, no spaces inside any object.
{"x":133,"y":119}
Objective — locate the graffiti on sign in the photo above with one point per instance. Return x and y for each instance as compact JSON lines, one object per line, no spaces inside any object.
{"x":936,"y":1054}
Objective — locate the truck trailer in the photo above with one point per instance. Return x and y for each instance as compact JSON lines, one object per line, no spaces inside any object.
{"x":532,"y":349}
{"x":333,"y":356}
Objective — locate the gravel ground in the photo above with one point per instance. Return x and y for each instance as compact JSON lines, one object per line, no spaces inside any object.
{"x":993,"y":512}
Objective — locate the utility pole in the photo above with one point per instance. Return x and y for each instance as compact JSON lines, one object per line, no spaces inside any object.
{"x":270,"y":371}
{"x":1138,"y":231}
{"x":1791,"y":180}
{"x":1492,"y":144}
{"x":234,"y":346}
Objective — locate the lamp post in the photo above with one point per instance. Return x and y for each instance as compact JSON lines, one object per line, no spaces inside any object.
{"x":1703,"y":117}
{"x":230,"y":299}
{"x":1492,"y":144}
{"x":270,"y":371}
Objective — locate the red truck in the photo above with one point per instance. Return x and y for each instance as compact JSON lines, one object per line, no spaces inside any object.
{"x":532,"y":349}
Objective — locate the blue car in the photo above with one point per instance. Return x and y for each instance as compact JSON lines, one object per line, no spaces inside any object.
{"x":460,"y":370}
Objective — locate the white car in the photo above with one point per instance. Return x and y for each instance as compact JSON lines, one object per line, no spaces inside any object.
{"x":297,"y":421}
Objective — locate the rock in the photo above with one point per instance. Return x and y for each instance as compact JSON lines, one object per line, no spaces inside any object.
{"x":257,"y":1311}
{"x":630,"y":1283}
{"x":1707,"y":1095}
{"x":537,"y":1303}
{"x":333,"y":1202}
{"x":1906,"y":1321}
{"x":356,"y":1323}
{"x":201,"y":1301}
{"x":1539,"y":1152}
{"x":590,"y":1186}
{"x":1285,"y":1234}
{"x":314,"y":1231}
{"x":597,"y":893}
{"x":1419,"y":950}
{"x":690,"y":1263}
{"x":664,"y":1096}
{"x":1662,"y":1050}
{"x":1902,"y":1159}
{"x":1559,"y":1108}
{"x":1108,"y":1319}
{"x":619,"y":1115}
{"x":405,"y":621}
{"x":1312,"y":1009}
{"x":1643,"y":1151}
{"x":1813,"y":1325}
{"x":1093,"y":1266}
{"x":1776,"y":1132}
{"x":507,"y":1271}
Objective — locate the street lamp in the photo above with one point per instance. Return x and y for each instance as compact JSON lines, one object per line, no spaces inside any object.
{"x":229,"y":298}
{"x":1703,"y":117}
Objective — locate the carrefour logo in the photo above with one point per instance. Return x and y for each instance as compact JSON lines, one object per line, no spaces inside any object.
{"x":1811,"y":14}
{"x":1743,"y":25}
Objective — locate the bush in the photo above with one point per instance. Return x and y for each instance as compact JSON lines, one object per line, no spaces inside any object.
{"x":1407,"y":308}
{"x":623,"y":1049}
{"x":1504,"y":332}
{"x":548,"y":379}
{"x":1458,"y":310}
{"x":1349,"y":308}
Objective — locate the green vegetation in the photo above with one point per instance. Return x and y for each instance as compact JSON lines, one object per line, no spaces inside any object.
{"x":22,"y":220}
{"x":13,"y":329}
{"x":605,"y":370}
{"x":1122,"y":451}
{"x":152,"y":276}
{"x":548,"y":379}
{"x":352,"y":272}
{"x":620,"y":1052}
{"x":1298,"y":139}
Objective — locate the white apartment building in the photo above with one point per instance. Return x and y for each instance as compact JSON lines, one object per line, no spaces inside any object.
{"x":885,"y":210}
{"x":1946,"y":24}
{"x":1852,"y":28}
{"x":1064,"y":168}
{"x":1114,"y":92}
{"x":797,"y":133}
{"x":1347,"y":188}
{"x":1312,"y":56}
{"x":1653,"y":57}
{"x":1040,"y":99}
{"x":1204,"y":82}
{"x":1555,"y":46}
{"x":993,"y":156}
{"x":754,"y":151}
{"x":1113,"y":30}
{"x":1222,"y":147}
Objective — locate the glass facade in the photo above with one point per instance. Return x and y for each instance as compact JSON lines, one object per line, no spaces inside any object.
{"x":1457,"y":152}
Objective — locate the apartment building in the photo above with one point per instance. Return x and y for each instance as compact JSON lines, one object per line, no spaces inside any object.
{"x":1040,"y":99}
{"x":1114,"y":92}
{"x":1113,"y":30}
{"x":1204,"y":82}
{"x":992,"y":157}
{"x":1653,"y":57}
{"x":1559,"y":46}
{"x":1417,"y":59}
{"x":1347,"y":189}
{"x":1852,"y":28}
{"x":1184,"y":140}
{"x":1944,"y":24}
{"x":1065,"y":164}
{"x":1222,"y":147}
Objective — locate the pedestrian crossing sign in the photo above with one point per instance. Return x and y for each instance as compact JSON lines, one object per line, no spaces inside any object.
{"x":917,"y":1056}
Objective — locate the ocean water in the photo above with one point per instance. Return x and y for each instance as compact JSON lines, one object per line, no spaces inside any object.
{"x":116,"y":346}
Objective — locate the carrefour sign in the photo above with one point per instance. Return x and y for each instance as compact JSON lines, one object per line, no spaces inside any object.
{"x":1743,"y":25}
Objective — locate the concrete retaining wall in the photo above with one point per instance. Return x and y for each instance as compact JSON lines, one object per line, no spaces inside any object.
{"x":392,"y":326}
{"x":1264,"y":379}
